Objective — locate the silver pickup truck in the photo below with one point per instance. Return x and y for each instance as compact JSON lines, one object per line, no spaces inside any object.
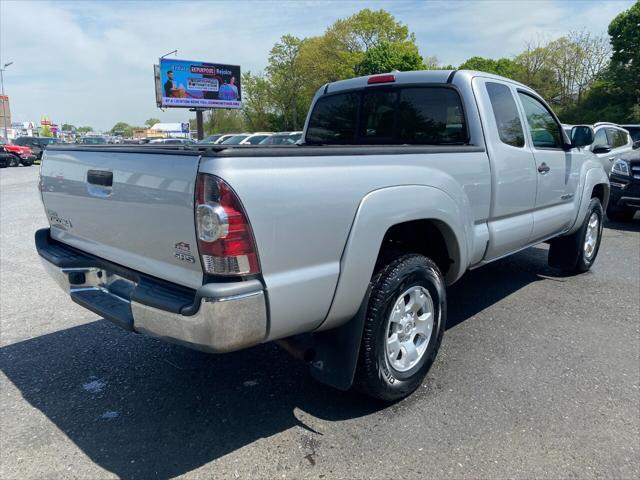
{"x":339,"y":248}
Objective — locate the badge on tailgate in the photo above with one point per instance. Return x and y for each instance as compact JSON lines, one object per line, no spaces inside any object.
{"x":182,"y":251}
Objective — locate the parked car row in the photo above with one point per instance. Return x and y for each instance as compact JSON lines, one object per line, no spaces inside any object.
{"x":14,"y":155}
{"x":618,"y":149}
{"x":257,"y":138}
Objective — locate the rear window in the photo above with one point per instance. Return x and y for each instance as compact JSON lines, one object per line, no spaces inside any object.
{"x":431,"y":116}
{"x":412,"y":115}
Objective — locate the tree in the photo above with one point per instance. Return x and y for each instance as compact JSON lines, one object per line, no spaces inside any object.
{"x":624,"y":70}
{"x":150,"y":122}
{"x":223,"y":121}
{"x":285,"y":79}
{"x":84,"y":129}
{"x":122,"y":128}
{"x":67,"y":127}
{"x":386,"y":57}
{"x":257,"y":104}
{"x":503,"y":66}
{"x":534,"y":71}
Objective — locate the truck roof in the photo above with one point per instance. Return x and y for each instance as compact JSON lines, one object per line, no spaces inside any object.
{"x":419,"y":76}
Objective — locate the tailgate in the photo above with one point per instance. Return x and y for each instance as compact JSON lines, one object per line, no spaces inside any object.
{"x":134,"y":208}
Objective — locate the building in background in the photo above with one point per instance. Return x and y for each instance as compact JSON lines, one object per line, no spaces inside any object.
{"x":5,"y":113}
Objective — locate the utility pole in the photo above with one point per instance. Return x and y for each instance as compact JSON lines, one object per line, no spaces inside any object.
{"x":4,"y":101}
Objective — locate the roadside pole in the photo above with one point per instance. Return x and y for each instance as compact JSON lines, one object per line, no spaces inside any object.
{"x":4,"y":100}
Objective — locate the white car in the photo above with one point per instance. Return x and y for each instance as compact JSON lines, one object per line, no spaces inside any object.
{"x":609,"y":142}
{"x":255,"y":138}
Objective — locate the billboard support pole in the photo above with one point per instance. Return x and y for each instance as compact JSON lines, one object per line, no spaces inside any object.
{"x":199,"y":124}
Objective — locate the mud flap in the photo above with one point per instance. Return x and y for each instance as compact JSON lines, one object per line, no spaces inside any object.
{"x":337,"y":350}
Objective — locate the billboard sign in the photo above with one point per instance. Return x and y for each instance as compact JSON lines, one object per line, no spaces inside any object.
{"x":185,"y":83}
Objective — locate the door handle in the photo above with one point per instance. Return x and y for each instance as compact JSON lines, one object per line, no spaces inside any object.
{"x":100,"y":177}
{"x":543,"y":168}
{"x":611,"y":159}
{"x":99,"y":183}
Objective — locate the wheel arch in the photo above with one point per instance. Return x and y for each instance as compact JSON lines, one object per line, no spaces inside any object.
{"x":381,"y":220}
{"x":596,"y":184}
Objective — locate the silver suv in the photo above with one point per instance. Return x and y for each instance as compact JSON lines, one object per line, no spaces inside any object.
{"x":609,"y":142}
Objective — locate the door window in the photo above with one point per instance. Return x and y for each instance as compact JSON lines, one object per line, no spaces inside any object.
{"x":506,"y":114}
{"x":545,"y":132}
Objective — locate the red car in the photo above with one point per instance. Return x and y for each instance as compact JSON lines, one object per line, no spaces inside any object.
{"x":21,"y":155}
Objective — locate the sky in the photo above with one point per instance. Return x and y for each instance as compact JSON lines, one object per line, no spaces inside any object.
{"x":91,"y":63}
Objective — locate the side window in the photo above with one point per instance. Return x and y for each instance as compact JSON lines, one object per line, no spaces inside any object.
{"x":618,"y":137}
{"x":545,"y":132}
{"x":333,"y":120}
{"x":600,"y":138}
{"x":431,"y":116}
{"x":377,"y":117}
{"x":506,"y":114}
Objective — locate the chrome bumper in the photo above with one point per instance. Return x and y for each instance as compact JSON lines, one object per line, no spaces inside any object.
{"x":221,"y":322}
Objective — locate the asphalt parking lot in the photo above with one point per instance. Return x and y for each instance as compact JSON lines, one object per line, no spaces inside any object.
{"x":538,"y":376}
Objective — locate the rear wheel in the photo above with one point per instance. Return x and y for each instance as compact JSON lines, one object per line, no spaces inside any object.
{"x":404,"y":324}
{"x":26,"y":163}
{"x":576,"y":253}
{"x":14,"y":161}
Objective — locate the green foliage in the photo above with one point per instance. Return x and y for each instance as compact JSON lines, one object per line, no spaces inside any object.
{"x":223,"y":121}
{"x":122,"y":128}
{"x":150,"y":122}
{"x":502,"y":66}
{"x":387,"y":56}
{"x":258,"y":109}
{"x":84,"y":129}
{"x":366,"y":42}
{"x":45,"y":131}
{"x":284,"y":81}
{"x":68,"y":127}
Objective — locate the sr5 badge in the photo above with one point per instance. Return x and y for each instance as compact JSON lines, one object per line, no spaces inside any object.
{"x":182,"y":251}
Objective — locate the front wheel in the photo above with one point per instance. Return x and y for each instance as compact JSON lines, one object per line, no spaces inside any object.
{"x":26,"y":163}
{"x":14,"y":161}
{"x":404,"y":324}
{"x":577,"y":252}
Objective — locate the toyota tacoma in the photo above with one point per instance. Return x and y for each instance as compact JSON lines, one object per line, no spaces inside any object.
{"x":341,"y":247}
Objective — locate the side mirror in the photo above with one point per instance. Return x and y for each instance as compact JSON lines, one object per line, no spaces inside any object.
{"x":582,"y":135}
{"x":602,"y":149}
{"x":636,"y":145}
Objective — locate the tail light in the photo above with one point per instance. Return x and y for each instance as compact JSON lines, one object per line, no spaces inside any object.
{"x":225,"y":240}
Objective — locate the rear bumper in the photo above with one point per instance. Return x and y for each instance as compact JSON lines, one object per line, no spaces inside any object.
{"x":216,"y":318}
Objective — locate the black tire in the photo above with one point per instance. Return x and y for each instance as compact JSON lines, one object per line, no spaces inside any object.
{"x":26,"y":163}
{"x":375,"y":376}
{"x":620,"y":215}
{"x":14,"y":161}
{"x":568,"y":253}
